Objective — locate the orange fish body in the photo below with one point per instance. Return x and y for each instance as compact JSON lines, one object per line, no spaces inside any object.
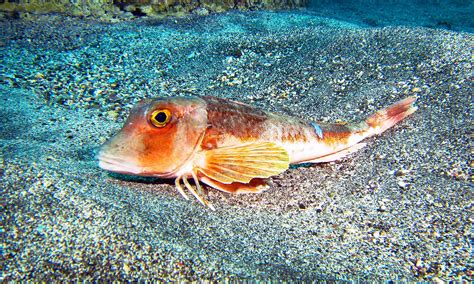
{"x":228,"y":145}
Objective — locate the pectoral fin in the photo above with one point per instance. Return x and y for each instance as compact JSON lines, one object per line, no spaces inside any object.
{"x":243,"y":163}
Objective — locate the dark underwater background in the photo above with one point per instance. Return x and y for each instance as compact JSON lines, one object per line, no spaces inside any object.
{"x":401,"y":209}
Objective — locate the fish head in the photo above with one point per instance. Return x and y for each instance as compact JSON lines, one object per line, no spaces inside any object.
{"x":158,"y":138}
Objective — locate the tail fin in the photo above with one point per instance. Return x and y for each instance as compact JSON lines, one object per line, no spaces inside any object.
{"x":388,"y":117}
{"x":343,"y":140}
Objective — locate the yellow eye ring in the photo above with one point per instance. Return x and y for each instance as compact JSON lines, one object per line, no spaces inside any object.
{"x":160,"y":117}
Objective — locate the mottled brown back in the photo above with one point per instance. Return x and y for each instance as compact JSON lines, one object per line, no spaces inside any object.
{"x":237,"y":119}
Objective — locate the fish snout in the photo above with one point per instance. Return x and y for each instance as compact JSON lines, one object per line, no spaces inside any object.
{"x":118,"y":158}
{"x":117,"y":165}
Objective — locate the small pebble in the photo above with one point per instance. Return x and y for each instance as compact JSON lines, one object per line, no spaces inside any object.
{"x":112,"y":114}
{"x":402,"y":184}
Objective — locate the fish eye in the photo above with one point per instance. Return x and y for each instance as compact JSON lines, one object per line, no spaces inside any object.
{"x":160,"y":117}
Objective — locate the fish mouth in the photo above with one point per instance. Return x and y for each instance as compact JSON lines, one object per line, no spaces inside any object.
{"x":117,"y":165}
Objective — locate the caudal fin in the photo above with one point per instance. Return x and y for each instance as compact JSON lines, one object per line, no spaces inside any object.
{"x":388,"y":117}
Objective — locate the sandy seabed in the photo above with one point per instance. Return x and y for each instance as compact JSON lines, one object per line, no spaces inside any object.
{"x":400,"y":209}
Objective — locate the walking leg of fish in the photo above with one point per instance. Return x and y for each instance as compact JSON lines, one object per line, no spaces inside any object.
{"x":197,"y":193}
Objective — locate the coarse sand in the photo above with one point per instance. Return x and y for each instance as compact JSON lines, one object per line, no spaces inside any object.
{"x":400,"y":209}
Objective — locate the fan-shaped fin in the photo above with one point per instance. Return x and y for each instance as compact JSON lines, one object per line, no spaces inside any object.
{"x":244,"y":163}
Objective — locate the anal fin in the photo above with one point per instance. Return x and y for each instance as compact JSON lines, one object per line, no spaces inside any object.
{"x":336,"y":156}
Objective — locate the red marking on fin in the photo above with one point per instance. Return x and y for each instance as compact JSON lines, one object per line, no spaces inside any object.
{"x":388,"y":117}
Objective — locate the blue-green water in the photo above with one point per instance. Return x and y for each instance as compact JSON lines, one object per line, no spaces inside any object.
{"x":455,"y":15}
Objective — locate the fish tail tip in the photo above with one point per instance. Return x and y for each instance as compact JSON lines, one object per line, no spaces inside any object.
{"x":388,"y":117}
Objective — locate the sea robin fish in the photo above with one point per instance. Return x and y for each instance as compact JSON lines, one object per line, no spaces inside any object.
{"x":228,"y":145}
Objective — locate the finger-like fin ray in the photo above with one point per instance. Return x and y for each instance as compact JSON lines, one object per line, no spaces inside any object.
{"x":197,"y":194}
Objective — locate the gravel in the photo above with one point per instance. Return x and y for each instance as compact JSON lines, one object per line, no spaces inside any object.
{"x":400,"y":209}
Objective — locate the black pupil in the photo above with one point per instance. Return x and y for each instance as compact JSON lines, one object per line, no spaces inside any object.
{"x":161,"y":117}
